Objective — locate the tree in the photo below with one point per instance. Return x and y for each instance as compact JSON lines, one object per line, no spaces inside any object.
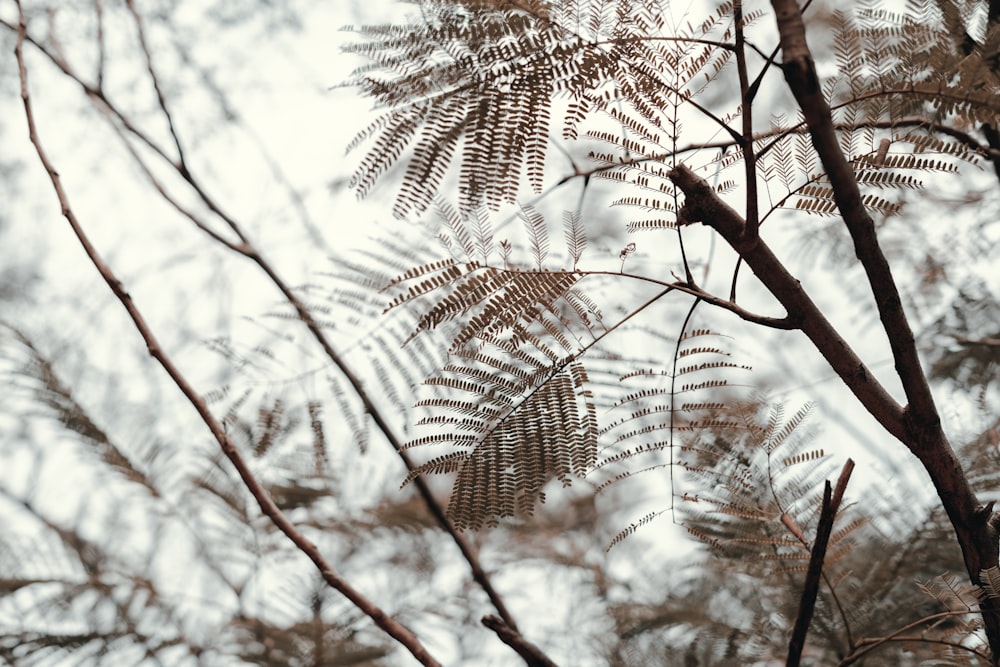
{"x":908,"y":86}
{"x":619,"y":367}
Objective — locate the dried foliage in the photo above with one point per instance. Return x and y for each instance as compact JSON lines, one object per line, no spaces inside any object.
{"x":516,"y":364}
{"x":623,"y":78}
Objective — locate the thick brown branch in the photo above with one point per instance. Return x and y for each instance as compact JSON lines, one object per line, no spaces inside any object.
{"x":703,"y":205}
{"x":924,"y":436}
{"x":810,"y":590}
{"x":800,"y":73}
{"x":267,"y":506}
{"x":976,"y":535}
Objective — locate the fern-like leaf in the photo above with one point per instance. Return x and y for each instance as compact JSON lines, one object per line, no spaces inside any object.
{"x":551,"y":433}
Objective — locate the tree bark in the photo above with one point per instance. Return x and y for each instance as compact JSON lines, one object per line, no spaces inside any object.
{"x":531,"y":654}
{"x":810,"y":590}
{"x":975,"y":526}
{"x":973,"y":523}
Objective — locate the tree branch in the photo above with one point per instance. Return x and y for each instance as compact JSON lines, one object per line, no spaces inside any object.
{"x":783,"y":323}
{"x":800,"y":73}
{"x":160,"y":99}
{"x":532,"y":655}
{"x":866,"y":646}
{"x":976,"y":536}
{"x":990,"y":153}
{"x":986,"y":341}
{"x":245,"y":247}
{"x":392,"y":627}
{"x":746,"y":138}
{"x":924,"y":435}
{"x":702,"y":204}
{"x":810,"y":590}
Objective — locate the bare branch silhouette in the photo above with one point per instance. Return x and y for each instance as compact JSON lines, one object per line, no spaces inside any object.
{"x":267,"y":505}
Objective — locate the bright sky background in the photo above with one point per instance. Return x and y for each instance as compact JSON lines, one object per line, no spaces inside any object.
{"x":283,"y":89}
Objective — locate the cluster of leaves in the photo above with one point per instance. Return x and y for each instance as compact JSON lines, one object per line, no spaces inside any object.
{"x":524,"y":366}
{"x":901,"y":79}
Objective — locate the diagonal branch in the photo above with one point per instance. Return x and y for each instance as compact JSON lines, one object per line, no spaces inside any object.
{"x":924,"y":436}
{"x":702,"y":204}
{"x":531,"y":654}
{"x":810,"y":590}
{"x":974,"y":525}
{"x":800,"y":73}
{"x":392,"y":627}
{"x":244,"y":246}
{"x":160,"y":99}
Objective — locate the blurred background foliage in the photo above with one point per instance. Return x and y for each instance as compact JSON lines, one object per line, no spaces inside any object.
{"x":127,"y":539}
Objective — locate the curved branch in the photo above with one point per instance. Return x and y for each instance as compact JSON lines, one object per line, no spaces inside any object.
{"x":786,"y":323}
{"x":245,"y":247}
{"x":267,"y":506}
{"x":866,"y":646}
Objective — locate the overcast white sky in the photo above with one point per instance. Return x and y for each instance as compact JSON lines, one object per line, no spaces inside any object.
{"x":282,"y":87}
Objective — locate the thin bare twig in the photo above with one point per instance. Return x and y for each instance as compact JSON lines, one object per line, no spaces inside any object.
{"x":990,"y":131}
{"x":866,"y":646}
{"x":160,"y":99}
{"x":101,"y":46}
{"x":777,"y":134}
{"x":245,"y":247}
{"x":392,"y":627}
{"x":810,"y":590}
{"x":783,"y":323}
{"x":746,"y":138}
{"x":987,"y":341}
